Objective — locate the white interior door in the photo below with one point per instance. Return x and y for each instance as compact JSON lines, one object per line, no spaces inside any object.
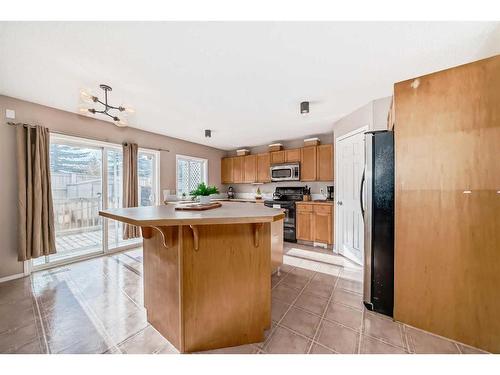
{"x":349,"y":223}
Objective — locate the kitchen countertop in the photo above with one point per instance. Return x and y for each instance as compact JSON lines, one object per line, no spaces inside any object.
{"x":239,"y":200}
{"x":321,"y":203}
{"x":166,"y":215}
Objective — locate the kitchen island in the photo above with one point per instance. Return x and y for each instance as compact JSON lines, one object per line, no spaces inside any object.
{"x":207,"y":278}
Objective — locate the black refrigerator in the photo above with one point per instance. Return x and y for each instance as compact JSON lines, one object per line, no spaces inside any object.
{"x":378,"y":216}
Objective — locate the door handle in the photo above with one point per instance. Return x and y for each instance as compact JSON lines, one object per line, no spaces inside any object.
{"x":361,"y":194}
{"x":339,"y":203}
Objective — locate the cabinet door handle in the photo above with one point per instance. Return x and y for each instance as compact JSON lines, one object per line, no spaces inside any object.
{"x":339,"y":203}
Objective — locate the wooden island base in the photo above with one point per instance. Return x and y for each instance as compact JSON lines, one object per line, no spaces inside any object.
{"x":209,"y":286}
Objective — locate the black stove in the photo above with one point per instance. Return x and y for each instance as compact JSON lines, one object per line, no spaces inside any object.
{"x":285,"y":198}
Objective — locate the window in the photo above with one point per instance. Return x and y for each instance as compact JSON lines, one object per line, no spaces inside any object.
{"x":191,"y":171}
{"x":86,"y":177}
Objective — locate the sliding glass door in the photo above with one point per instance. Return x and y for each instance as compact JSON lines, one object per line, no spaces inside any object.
{"x":87,"y":176}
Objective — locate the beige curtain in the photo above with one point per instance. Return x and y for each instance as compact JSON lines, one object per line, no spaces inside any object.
{"x":36,"y":215}
{"x":130,"y":186}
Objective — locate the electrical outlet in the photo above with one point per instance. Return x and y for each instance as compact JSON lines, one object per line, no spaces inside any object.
{"x":10,"y":114}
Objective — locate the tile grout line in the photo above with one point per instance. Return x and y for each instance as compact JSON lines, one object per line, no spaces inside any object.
{"x":316,"y":333}
{"x":444,"y":338}
{"x":268,"y":340}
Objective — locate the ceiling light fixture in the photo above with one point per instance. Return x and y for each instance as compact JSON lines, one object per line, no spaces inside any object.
{"x":86,"y":96}
{"x":304,"y":108}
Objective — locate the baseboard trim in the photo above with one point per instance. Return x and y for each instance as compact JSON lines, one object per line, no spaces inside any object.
{"x":12,"y":277}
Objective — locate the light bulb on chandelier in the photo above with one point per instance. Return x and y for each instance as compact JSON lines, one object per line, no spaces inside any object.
{"x":88,"y":98}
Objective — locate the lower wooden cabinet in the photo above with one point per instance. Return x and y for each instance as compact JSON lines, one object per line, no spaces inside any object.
{"x":304,"y":222}
{"x":315,"y":222}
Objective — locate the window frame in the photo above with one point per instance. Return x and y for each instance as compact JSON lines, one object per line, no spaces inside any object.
{"x":189,"y":158}
{"x":103,"y":146}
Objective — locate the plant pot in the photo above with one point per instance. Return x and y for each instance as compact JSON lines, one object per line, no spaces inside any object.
{"x":205,"y":199}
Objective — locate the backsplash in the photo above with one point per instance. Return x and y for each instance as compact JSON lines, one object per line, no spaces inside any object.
{"x":267,"y":190}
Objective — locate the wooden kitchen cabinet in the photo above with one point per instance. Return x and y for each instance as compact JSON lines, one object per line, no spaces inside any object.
{"x":315,"y":222}
{"x":250,"y":168}
{"x":308,"y":161}
{"x":316,"y":165}
{"x":325,"y":163}
{"x":277,"y":157}
{"x":238,"y":169}
{"x":227,"y":170}
{"x":323,"y":224}
{"x":447,"y":205}
{"x":305,"y":218}
{"x":292,"y":155}
{"x":263,"y":165}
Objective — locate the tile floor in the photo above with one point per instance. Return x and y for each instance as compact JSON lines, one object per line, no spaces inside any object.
{"x":95,"y":306}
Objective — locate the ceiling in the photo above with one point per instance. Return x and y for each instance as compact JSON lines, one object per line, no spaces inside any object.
{"x":243,"y":80}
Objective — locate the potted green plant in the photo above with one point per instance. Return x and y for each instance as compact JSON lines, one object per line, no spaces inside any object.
{"x":204,"y":192}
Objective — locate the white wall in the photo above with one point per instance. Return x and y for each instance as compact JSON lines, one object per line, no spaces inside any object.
{"x":373,"y":115}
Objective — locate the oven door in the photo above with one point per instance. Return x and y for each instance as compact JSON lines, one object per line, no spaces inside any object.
{"x":281,"y":173}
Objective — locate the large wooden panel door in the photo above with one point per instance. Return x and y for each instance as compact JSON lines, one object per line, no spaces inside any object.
{"x":325,"y":163}
{"x":308,"y":161}
{"x":447,"y":227}
{"x":349,"y":220}
{"x":238,"y":169}
{"x":250,"y":168}
{"x":227,"y":170}
{"x":263,"y":165}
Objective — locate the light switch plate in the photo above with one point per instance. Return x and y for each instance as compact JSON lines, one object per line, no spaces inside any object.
{"x":10,"y":113}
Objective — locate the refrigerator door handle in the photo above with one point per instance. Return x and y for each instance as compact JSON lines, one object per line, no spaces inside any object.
{"x":361,"y":194}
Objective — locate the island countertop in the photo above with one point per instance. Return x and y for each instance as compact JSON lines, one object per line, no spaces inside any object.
{"x":166,"y":215}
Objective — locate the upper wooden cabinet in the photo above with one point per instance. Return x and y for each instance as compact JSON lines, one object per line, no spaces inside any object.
{"x":263,"y":164}
{"x":227,"y":170}
{"x":250,"y":168}
{"x":238,"y":169}
{"x":308,"y":161}
{"x":292,"y":155}
{"x":325,"y":163}
{"x":277,"y":157}
{"x":316,"y":165}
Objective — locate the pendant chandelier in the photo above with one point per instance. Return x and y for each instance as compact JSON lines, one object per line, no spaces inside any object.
{"x":119,"y":117}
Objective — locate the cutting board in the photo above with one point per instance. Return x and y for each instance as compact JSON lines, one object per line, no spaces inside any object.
{"x":198,"y":207}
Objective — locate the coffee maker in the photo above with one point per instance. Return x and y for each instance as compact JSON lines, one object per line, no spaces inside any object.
{"x":329,"y":191}
{"x":230,"y":193}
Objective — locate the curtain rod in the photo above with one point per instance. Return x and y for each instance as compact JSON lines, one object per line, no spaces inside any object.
{"x":77,"y":136}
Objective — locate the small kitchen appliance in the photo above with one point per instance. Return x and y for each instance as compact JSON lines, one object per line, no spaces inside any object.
{"x":285,"y":172}
{"x":329,"y":193}
{"x":230,"y":193}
